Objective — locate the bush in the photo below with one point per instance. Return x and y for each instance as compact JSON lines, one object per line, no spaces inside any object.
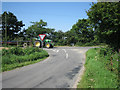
{"x":19,"y":55}
{"x":19,"y":51}
{"x":85,"y":44}
{"x":110,"y":59}
{"x":89,"y":44}
{"x":79,"y":44}
{"x":101,"y":69}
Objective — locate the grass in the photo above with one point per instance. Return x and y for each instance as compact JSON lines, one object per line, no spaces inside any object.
{"x":17,"y":65}
{"x":17,"y":57}
{"x":99,"y":72}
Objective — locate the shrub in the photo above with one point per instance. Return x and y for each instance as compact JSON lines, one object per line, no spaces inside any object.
{"x":18,"y":55}
{"x":101,"y":70}
{"x":110,"y":58}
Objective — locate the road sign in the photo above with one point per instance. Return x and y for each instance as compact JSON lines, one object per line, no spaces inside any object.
{"x":42,"y":36}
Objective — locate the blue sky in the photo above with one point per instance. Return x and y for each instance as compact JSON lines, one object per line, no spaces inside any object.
{"x":58,"y":15}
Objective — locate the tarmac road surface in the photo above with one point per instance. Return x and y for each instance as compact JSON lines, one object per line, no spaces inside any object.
{"x":59,"y":70}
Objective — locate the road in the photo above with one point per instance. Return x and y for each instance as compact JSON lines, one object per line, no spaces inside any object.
{"x":60,"y":70}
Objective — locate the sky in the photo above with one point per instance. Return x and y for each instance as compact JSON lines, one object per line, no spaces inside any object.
{"x":58,"y":15}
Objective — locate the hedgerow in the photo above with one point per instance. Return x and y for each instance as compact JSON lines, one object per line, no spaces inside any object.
{"x":18,"y":55}
{"x":102,"y":69}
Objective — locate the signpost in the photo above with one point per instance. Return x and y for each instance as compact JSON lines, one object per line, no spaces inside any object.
{"x":42,"y":36}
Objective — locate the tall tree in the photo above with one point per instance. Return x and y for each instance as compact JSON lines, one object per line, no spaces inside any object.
{"x":106,"y":18}
{"x":83,"y":31}
{"x":10,"y":26}
{"x":38,"y":28}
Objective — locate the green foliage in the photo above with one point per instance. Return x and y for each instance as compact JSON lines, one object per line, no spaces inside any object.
{"x":85,"y":44}
{"x":10,"y":25}
{"x":38,"y":28}
{"x":102,"y":26}
{"x":105,"y":16}
{"x":110,"y":58}
{"x":58,"y":38}
{"x":83,"y":30}
{"x":82,"y":33}
{"x":17,"y":55}
{"x":101,"y":70}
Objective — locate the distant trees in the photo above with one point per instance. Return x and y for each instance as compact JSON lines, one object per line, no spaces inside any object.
{"x":102,"y":25}
{"x":38,"y":28}
{"x":105,"y":16}
{"x":70,"y":37}
{"x":58,"y":37}
{"x":83,"y":31}
{"x":10,"y":26}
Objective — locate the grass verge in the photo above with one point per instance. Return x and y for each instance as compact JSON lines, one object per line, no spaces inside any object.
{"x":17,"y":65}
{"x":18,"y":57}
{"x":101,"y":71}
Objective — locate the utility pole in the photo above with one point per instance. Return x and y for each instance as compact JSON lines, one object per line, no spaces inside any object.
{"x":6,"y":28}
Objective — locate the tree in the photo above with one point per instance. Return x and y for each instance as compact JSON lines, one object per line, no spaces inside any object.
{"x":83,"y":31}
{"x":71,"y":37}
{"x":105,"y":17}
{"x":10,"y":26}
{"x":58,"y":37}
{"x":38,"y":28}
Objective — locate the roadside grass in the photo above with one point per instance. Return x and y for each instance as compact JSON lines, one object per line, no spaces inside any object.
{"x":101,"y":71}
{"x":17,"y":65}
{"x":18,"y":57}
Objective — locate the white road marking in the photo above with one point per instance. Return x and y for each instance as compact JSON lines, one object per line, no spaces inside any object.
{"x":57,"y":51}
{"x":54,"y":50}
{"x":66,"y":55}
{"x":47,"y":49}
